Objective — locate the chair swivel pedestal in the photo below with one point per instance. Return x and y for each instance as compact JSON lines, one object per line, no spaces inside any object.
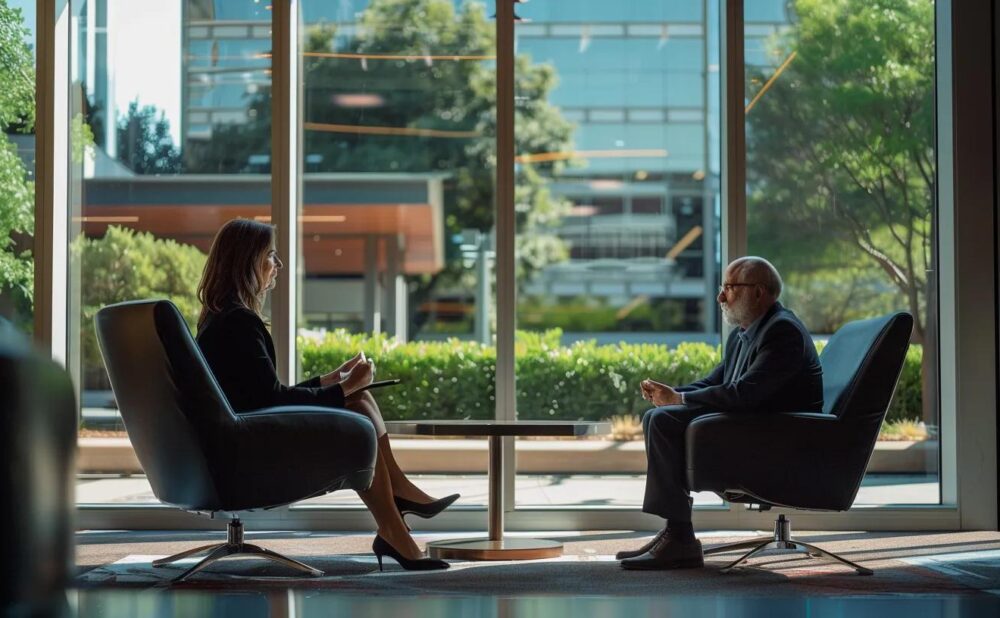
{"x":233,"y":546}
{"x":781,"y":541}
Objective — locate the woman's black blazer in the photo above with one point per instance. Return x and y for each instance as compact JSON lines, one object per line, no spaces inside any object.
{"x":240,"y":352}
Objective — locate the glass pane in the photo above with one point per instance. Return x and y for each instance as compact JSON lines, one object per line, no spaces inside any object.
{"x":163,"y":153}
{"x":617,"y":137}
{"x":840,"y":194}
{"x":17,"y":164}
{"x":398,"y":143}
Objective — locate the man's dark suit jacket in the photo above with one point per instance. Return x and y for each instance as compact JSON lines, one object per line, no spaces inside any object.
{"x":240,"y":352}
{"x":782,"y":372}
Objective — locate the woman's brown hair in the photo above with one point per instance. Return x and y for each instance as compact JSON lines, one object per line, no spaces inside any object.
{"x":234,"y":271}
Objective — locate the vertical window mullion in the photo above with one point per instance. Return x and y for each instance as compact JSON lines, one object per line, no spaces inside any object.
{"x":52,"y":168}
{"x":506,"y":395}
{"x":734,"y":211}
{"x":285,"y":193}
{"x":733,"y":149}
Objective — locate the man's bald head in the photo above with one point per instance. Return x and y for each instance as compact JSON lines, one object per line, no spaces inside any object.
{"x":753,"y":269}
{"x":750,"y":287}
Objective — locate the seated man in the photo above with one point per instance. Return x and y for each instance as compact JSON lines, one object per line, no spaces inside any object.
{"x":769,"y":366}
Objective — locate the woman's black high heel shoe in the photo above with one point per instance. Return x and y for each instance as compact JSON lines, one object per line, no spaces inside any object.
{"x":381,"y":548}
{"x":427,"y":510}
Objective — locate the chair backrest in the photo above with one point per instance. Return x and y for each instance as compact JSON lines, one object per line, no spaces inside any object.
{"x":172,"y":406}
{"x":861,"y":364}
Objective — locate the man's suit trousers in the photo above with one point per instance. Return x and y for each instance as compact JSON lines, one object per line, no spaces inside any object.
{"x":667,"y":494}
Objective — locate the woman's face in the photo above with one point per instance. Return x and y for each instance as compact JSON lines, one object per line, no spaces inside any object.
{"x":271,"y":267}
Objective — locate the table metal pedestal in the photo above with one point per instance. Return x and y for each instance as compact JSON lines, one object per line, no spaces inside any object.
{"x":496,"y":546}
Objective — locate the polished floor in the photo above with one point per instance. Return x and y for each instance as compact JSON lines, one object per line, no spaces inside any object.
{"x":315,"y":604}
{"x":915,"y":574}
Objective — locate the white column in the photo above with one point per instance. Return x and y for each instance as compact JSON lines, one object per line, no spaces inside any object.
{"x":285,"y":180}
{"x":372,"y":298}
{"x":506,"y":395}
{"x":734,"y":155}
{"x":52,"y":176}
{"x":395,"y":287}
{"x":968,"y":257}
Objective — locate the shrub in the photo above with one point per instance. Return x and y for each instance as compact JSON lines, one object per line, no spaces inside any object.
{"x":585,"y":381}
{"x":907,"y":402}
{"x":128,"y":265}
{"x":441,"y":379}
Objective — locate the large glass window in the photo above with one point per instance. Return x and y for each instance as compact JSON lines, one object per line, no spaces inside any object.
{"x":616,"y":132}
{"x":618,"y":243}
{"x":841,"y":173}
{"x":398,"y":166}
{"x":17,"y":163}
{"x":163,"y":153}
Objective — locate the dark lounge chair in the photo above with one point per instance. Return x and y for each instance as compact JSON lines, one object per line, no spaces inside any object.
{"x":812,"y":461}
{"x":198,"y":454}
{"x":38,"y":458}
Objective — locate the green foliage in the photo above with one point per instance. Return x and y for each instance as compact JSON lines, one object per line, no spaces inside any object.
{"x":587,"y":314}
{"x":907,"y":403}
{"x":17,"y":187}
{"x":17,"y":190}
{"x":826,"y":299}
{"x":592,"y":382}
{"x":445,"y":380}
{"x":128,"y":265}
{"x":17,"y":218}
{"x":144,"y":142}
{"x":455,"y":379}
{"x":840,"y":153}
{"x":17,"y":72}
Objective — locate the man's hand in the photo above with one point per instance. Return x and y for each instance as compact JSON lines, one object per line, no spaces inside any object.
{"x":659,"y":394}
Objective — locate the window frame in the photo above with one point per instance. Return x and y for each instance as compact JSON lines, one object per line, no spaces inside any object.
{"x":967,"y":177}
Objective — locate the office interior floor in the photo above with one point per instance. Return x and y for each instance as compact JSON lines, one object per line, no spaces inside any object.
{"x":920,"y":566}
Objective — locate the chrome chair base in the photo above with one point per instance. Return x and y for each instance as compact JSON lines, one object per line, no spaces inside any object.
{"x":780,"y":541}
{"x":233,"y":546}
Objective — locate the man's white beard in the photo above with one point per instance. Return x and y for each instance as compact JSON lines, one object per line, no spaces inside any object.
{"x":734,"y":314}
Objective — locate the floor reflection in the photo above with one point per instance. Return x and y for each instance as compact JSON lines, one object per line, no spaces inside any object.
{"x":309,"y":604}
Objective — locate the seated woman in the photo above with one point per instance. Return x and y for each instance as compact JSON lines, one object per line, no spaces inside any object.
{"x":242,"y":266}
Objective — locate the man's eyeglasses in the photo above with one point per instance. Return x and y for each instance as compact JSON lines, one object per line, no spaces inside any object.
{"x":726,"y":288}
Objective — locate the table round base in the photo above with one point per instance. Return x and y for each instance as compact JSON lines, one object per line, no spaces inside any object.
{"x":507,"y":548}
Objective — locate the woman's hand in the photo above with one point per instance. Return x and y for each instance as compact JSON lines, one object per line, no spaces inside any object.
{"x":340,"y":373}
{"x":360,"y":375}
{"x":345,"y":368}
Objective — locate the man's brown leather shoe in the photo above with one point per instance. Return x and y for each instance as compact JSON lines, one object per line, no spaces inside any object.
{"x":635,"y":553}
{"x":668,"y":554}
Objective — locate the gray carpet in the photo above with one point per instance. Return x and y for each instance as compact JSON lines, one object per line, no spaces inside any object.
{"x":905,"y":563}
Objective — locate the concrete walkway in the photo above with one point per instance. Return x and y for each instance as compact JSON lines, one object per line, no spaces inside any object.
{"x":609,"y":490}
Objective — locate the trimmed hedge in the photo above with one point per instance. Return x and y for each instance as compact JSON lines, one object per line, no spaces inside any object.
{"x":455,"y":379}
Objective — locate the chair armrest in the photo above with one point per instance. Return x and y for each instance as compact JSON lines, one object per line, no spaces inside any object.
{"x":705,"y":431}
{"x":300,"y":410}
